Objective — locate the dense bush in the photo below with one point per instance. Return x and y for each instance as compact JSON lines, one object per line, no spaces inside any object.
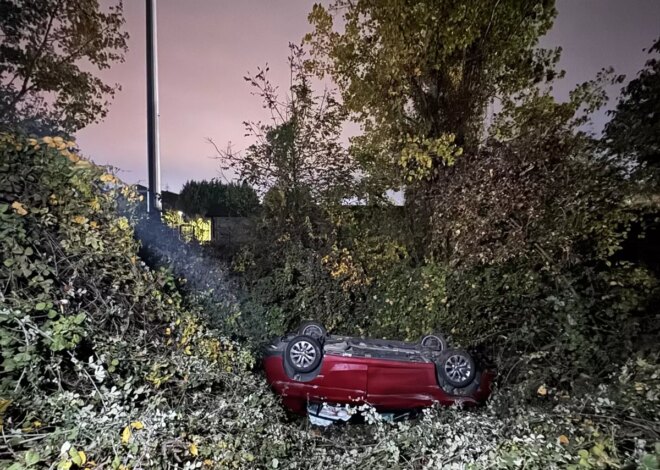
{"x":528,"y":256}
{"x":215,"y":198}
{"x":103,"y":367}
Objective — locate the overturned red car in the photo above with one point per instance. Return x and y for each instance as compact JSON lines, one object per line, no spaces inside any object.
{"x":313,"y":367}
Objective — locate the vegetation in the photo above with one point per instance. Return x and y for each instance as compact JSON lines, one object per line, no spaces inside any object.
{"x":104,"y":366}
{"x":46,"y":51}
{"x":634,"y":131}
{"x":191,"y":229}
{"x":419,"y":80}
{"x":519,"y":239}
{"x":202,"y":198}
{"x":298,"y":154}
{"x":515,"y":239}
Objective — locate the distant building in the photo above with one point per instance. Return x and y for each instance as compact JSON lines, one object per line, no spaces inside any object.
{"x":168,"y":199}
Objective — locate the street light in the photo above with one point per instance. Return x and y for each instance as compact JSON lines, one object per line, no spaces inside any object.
{"x":153,"y":148}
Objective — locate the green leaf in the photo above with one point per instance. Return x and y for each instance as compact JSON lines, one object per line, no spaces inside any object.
{"x":31,"y":458}
{"x":649,"y":462}
{"x":64,"y":465}
{"x":40,"y":306}
{"x":75,"y":457}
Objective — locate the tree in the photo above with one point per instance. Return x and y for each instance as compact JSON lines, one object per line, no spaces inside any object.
{"x":298,"y":152}
{"x":415,"y":73}
{"x":419,"y":75}
{"x":634,"y":131}
{"x":226,"y":199}
{"x":47,"y":48}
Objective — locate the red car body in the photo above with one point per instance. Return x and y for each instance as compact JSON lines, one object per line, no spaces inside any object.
{"x":389,"y":375}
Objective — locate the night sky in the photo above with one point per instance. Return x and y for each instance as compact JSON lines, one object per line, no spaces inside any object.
{"x":207,"y":46}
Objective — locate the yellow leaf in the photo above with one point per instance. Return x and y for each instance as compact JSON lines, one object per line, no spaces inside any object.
{"x":83,"y":457}
{"x":208,"y":463}
{"x":137,"y":425}
{"x":542,"y":391}
{"x":93,"y":224}
{"x":79,"y":219}
{"x":4,"y":404}
{"x":58,"y":140}
{"x":126,"y":435}
{"x":47,"y":140}
{"x":83,"y":164}
{"x":168,"y":331}
{"x":19,"y":208}
{"x":73,"y":157}
{"x":108,"y":178}
{"x":193,"y":449}
{"x":563,"y":440}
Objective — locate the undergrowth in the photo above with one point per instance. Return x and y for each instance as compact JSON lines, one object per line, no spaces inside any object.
{"x":105,"y":366}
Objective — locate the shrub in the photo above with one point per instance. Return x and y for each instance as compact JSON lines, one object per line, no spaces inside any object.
{"x":104,"y":367}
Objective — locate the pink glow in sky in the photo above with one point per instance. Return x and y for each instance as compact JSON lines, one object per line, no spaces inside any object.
{"x":205,"y":47}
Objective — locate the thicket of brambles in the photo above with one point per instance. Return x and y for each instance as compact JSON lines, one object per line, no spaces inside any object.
{"x":105,"y":364}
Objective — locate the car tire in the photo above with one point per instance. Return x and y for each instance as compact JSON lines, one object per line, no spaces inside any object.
{"x":303,"y":354}
{"x":434,"y":342}
{"x":456,"y":368}
{"x":314,"y":329}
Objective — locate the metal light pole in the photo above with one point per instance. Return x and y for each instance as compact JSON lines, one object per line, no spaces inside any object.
{"x":153,"y":148}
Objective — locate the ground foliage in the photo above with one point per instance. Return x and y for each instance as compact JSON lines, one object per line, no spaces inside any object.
{"x":104,"y":367}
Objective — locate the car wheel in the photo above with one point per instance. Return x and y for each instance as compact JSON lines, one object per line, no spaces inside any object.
{"x":435,"y":342}
{"x":456,"y":367}
{"x":303,"y":354}
{"x":314,"y":329}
